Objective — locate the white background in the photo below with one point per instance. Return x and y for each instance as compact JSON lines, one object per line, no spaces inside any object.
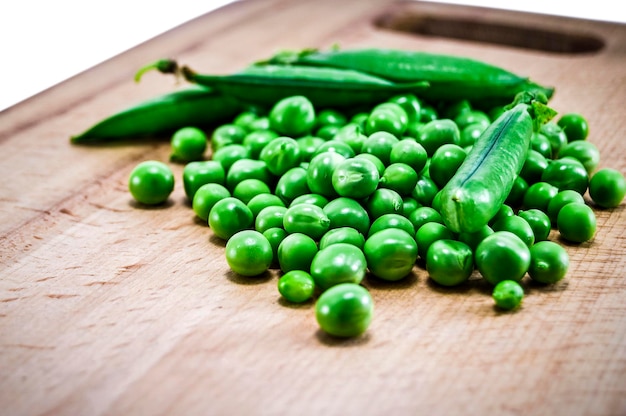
{"x":44,"y":42}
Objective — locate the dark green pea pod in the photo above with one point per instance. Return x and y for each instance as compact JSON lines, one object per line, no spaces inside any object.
{"x":162,"y":115}
{"x":449,"y":77}
{"x":483,"y":181}
{"x":324,"y":87}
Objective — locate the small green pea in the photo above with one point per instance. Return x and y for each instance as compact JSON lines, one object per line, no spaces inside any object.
{"x":607,"y":188}
{"x":436,"y":133}
{"x":566,"y":173}
{"x":533,"y":167}
{"x":556,"y":136}
{"x":422,"y":215}
{"x":355,"y":178}
{"x":576,"y":222}
{"x":258,"y":202}
{"x":315,"y":199}
{"x":227,"y":134}
{"x":399,"y":177}
{"x":275,"y":236}
{"x":391,"y":221}
{"x":270,"y":217}
{"x":444,"y":163}
{"x":425,"y":190}
{"x":280,"y":155}
{"x":292,"y":116}
{"x":409,"y":152}
{"x":229,"y":154}
{"x":292,"y":184}
{"x":574,"y":125}
{"x":428,"y":234}
{"x":207,"y":196}
{"x":188,"y":144}
{"x":198,"y":173}
{"x":307,"y":219}
{"x":352,"y":135}
{"x":308,"y":146}
{"x":229,"y":216}
{"x":539,"y":222}
{"x":380,"y":145}
{"x":256,"y":140}
{"x":384,"y":201}
{"x":585,"y":152}
{"x":541,"y":144}
{"x":247,"y":169}
{"x":344,"y":310}
{"x":390,"y":254}
{"x":539,"y":196}
{"x":248,"y":253}
{"x":151,"y":182}
{"x":296,"y":252}
{"x":347,"y":212}
{"x":518,"y":226}
{"x":338,"y":263}
{"x":296,"y":286}
{"x":502,"y":256}
{"x":320,"y":173}
{"x":549,"y":262}
{"x":449,"y":262}
{"x":346,"y":235}
{"x":561,"y":199}
{"x":508,"y":294}
{"x":249,"y":188}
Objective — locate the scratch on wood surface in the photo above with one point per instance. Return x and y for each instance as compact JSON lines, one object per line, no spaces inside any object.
{"x":43,"y":279}
{"x":8,"y":300}
{"x":30,"y":347}
{"x":60,"y":296}
{"x":100,"y":283}
{"x":67,"y":212}
{"x":102,"y":206}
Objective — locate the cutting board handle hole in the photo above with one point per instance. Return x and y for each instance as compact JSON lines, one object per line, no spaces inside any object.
{"x":490,"y":32}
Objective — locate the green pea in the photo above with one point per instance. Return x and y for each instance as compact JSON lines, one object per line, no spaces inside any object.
{"x":347,"y":235}
{"x":424,"y":214}
{"x":454,"y":109}
{"x":428,"y":233}
{"x":556,"y":136}
{"x":347,"y":212}
{"x":390,"y":254}
{"x":470,"y":117}
{"x":247,"y":169}
{"x":576,"y":222}
{"x":384,"y":201}
{"x":518,"y":226}
{"x":445,"y":162}
{"x":245,"y":118}
{"x":292,"y":116}
{"x":425,"y":190}
{"x":327,"y":132}
{"x":391,"y":221}
{"x":227,"y":134}
{"x":410,"y":104}
{"x":229,"y":154}
{"x":380,"y":166}
{"x":533,"y":167}
{"x":345,"y":310}
{"x":502,"y":256}
{"x":151,"y":182}
{"x":399,"y":177}
{"x":328,"y":117}
{"x":428,"y":113}
{"x":539,"y":222}
{"x":307,"y":219}
{"x":409,"y":152}
{"x":473,"y":239}
{"x":198,"y":173}
{"x":352,"y":135}
{"x":380,"y":145}
{"x":539,"y":196}
{"x":449,"y":262}
{"x":280,"y":155}
{"x":339,"y":263}
{"x":264,"y":200}
{"x":296,"y":252}
{"x":308,"y":146}
{"x":471,"y":133}
{"x":320,"y":173}
{"x":504,"y":211}
{"x":292,"y":184}
{"x":249,"y":188}
{"x":271,"y":216}
{"x":388,"y":117}
{"x":566,"y":173}
{"x":261,"y":123}
{"x":436,"y":133}
{"x":508,"y":295}
{"x":336,"y":146}
{"x":518,"y":190}
{"x":359,"y":119}
{"x":275,"y":236}
{"x":249,"y":253}
{"x":229,"y":216}
{"x":409,"y":204}
{"x":207,"y":196}
{"x":315,"y":199}
{"x":585,"y":152}
{"x":188,"y":144}
{"x":296,"y":286}
{"x":574,"y":125}
{"x":256,"y":140}
{"x":541,"y":144}
{"x":355,"y":178}
{"x":561,"y":199}
{"x":548,"y":262}
{"x":607,"y":188}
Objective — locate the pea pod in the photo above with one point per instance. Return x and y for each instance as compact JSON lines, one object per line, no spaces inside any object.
{"x":162,"y":115}
{"x":449,"y":77}
{"x":324,"y":87}
{"x":483,"y":181}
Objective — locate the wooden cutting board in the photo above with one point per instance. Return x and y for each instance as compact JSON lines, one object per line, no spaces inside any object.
{"x":106,"y":308}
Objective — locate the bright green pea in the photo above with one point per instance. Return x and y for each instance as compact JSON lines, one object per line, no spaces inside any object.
{"x":607,"y":188}
{"x":347,"y":212}
{"x":335,"y":146}
{"x":380,"y":166}
{"x":585,"y":152}
{"x":561,"y":199}
{"x":198,"y":173}
{"x":320,"y":173}
{"x":247,"y":169}
{"x":261,"y":123}
{"x":388,"y":117}
{"x":384,"y":201}
{"x":410,"y":104}
{"x":471,"y":133}
{"x":508,"y":294}
{"x":502,"y":256}
{"x":436,"y":133}
{"x":188,"y":144}
{"x":347,"y":235}
{"x":503,"y":212}
{"x":574,"y":125}
{"x":549,"y":262}
{"x":454,"y":109}
{"x":541,"y":144}
{"x":576,"y":222}
{"x":539,"y":222}
{"x":518,"y":226}
{"x":425,"y":190}
{"x":380,"y":145}
{"x":280,"y":155}
{"x":516,"y":196}
{"x":399,"y":177}
{"x":270,"y":217}
{"x":229,"y":216}
{"x":359,"y":119}
{"x":409,"y":152}
{"x":308,"y":146}
{"x":445,"y":162}
{"x":275,"y":236}
{"x":307,"y":219}
{"x":292,"y":184}
{"x":428,"y":234}
{"x":296,"y":252}
{"x":292,"y":116}
{"x":352,"y":135}
{"x":339,"y":263}
{"x":227,"y":134}
{"x":227,"y":155}
{"x":249,"y":188}
{"x":566,"y":173}
{"x":249,"y":253}
{"x":390,"y":254}
{"x":539,"y":196}
{"x":533,"y":167}
{"x":245,"y":118}
{"x":355,"y":178}
{"x":422,"y":215}
{"x":556,"y":136}
{"x":258,"y":202}
{"x":296,"y":286}
{"x":344,"y":310}
{"x":409,"y":204}
{"x":151,"y":182}
{"x":472,"y":117}
{"x":207,"y":196}
{"x":315,"y":199}
{"x":391,"y":221}
{"x":256,"y":140}
{"x":328,"y":117}
{"x":474,"y":239}
{"x":449,"y":262}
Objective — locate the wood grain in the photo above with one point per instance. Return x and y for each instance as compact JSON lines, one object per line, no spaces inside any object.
{"x":110,"y":309}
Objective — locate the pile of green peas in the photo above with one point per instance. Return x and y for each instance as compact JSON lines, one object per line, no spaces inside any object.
{"x":327,"y":197}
